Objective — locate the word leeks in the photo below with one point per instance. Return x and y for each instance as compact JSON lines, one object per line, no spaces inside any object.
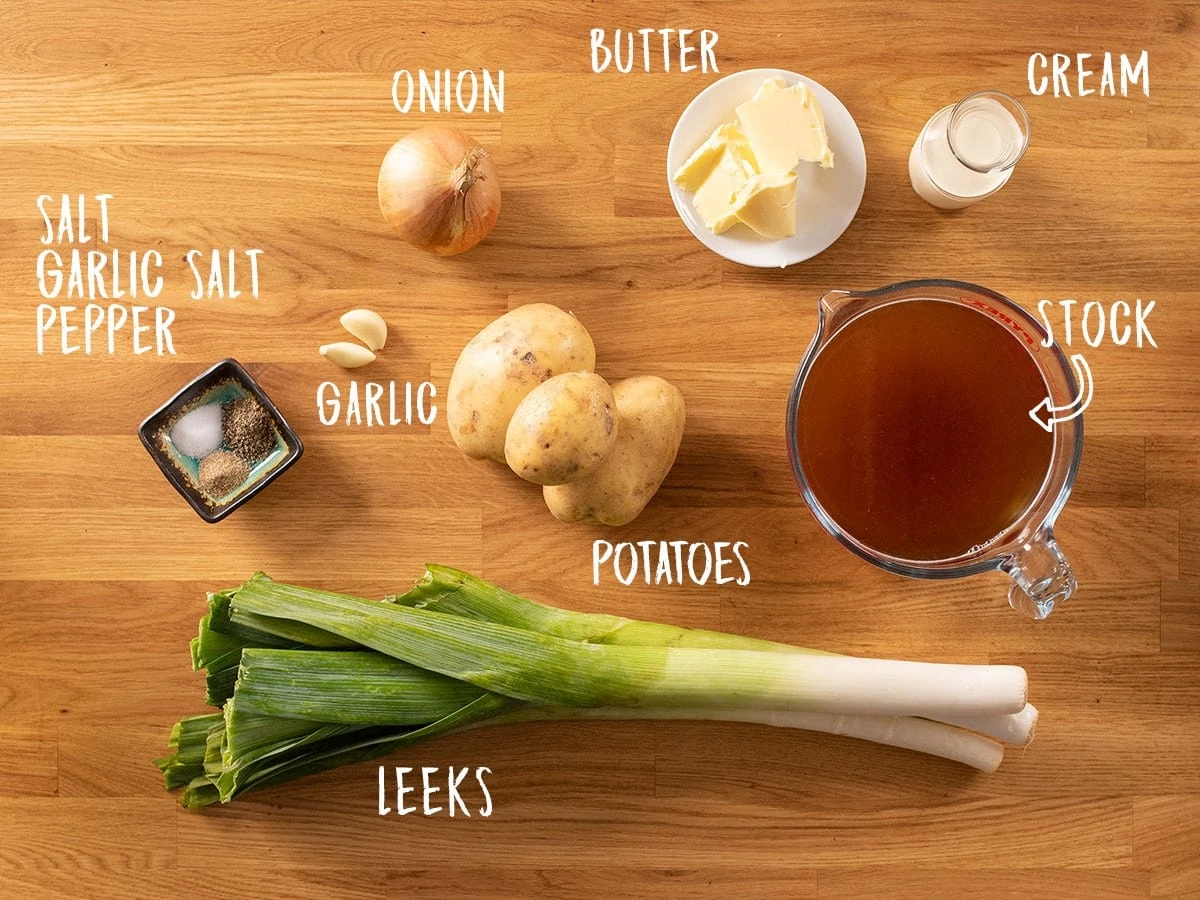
{"x":309,"y":680}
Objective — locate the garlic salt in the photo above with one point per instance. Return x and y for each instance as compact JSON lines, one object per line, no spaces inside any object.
{"x":221,"y":472}
{"x":366,"y":325}
{"x":347,"y":355}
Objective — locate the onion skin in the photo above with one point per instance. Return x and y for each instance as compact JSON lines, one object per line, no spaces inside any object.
{"x":439,"y":190}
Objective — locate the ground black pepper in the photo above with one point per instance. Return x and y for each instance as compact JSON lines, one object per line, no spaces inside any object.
{"x":249,"y":430}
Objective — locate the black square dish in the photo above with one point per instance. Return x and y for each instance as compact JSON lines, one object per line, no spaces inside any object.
{"x":226,"y":384}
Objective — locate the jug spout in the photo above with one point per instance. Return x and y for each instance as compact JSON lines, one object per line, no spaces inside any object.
{"x":1041,"y":575}
{"x":835,"y":306}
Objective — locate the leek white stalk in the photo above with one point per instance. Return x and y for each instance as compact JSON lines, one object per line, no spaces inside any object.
{"x":1017,"y":729}
{"x":907,"y":732}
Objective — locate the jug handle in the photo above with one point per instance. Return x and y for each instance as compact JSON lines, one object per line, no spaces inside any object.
{"x":1041,"y":575}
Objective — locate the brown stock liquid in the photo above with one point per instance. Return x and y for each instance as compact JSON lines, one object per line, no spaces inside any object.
{"x":914,"y":432}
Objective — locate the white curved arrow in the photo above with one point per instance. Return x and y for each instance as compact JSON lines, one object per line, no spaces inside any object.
{"x":1047,"y":415}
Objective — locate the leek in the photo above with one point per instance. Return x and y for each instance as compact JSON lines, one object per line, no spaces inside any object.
{"x":363,"y":688}
{"x":447,"y":590}
{"x":310,"y":680}
{"x":542,"y":669}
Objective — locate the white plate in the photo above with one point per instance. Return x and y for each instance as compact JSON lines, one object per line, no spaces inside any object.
{"x":826,"y":199}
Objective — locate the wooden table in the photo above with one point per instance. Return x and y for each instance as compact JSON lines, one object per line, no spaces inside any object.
{"x":261,"y":126}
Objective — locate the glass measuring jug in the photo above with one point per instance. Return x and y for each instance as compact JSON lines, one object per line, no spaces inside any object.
{"x":918,"y":433}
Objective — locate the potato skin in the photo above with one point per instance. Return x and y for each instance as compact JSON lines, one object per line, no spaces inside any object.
{"x":503,"y":363}
{"x":650,"y":421}
{"x":563,"y":429}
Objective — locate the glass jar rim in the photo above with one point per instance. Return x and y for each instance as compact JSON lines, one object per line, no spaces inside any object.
{"x":1012,"y":105}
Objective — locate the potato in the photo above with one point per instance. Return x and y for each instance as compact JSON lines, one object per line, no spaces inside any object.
{"x":503,"y":363}
{"x":563,"y":429}
{"x":650,"y":419}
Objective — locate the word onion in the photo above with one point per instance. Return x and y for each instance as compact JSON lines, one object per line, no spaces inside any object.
{"x":439,"y":190}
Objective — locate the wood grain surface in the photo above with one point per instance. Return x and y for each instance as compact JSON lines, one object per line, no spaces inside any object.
{"x":262,"y":125}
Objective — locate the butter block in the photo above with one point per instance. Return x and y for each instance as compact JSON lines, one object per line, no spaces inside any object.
{"x":785,"y":127}
{"x":718,"y":169}
{"x":692,"y":173}
{"x":767,"y":203}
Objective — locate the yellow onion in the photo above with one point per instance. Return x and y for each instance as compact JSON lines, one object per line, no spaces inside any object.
{"x":439,"y":190}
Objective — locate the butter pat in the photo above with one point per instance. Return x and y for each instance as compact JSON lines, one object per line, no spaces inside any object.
{"x":693,"y":172}
{"x":767,"y":203}
{"x":715,"y":172}
{"x":785,"y":127}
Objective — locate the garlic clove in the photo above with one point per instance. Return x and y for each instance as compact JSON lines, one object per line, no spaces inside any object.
{"x":366,"y":325}
{"x":347,"y":355}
